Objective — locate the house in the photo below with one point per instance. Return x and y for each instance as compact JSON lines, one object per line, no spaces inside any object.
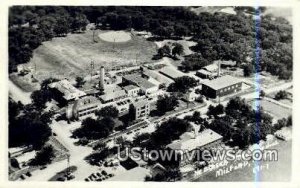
{"x":190,"y":96}
{"x":156,"y":169}
{"x":209,"y":71}
{"x":64,"y":92}
{"x":204,"y":140}
{"x":221,"y":86}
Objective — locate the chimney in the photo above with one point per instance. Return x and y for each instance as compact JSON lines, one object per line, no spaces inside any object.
{"x":219,"y":68}
{"x":101,"y":81}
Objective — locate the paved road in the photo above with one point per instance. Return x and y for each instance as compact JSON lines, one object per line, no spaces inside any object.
{"x":17,"y":94}
{"x":77,"y":155}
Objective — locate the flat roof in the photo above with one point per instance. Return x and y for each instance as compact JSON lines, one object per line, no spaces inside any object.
{"x":171,"y":72}
{"x":113,"y":95}
{"x":221,"y":82}
{"x":86,"y":102}
{"x":139,"y":81}
{"x":211,"y":68}
{"x":130,"y":87}
{"x":67,"y":89}
{"x":141,"y":103}
{"x":205,"y":137}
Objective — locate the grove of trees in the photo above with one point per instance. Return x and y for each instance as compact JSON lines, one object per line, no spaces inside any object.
{"x":242,"y":125}
{"x":28,"y":126}
{"x":265,"y":43}
{"x":166,"y":103}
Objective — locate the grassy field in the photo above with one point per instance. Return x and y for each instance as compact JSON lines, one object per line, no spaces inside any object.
{"x":278,"y":112}
{"x":72,"y":55}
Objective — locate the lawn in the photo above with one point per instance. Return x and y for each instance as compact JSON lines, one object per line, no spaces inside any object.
{"x":72,"y":55}
{"x":278,"y":112}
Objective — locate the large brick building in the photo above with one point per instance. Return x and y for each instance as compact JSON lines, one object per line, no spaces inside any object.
{"x":221,"y":86}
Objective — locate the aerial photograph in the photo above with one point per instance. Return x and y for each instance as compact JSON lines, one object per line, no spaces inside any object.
{"x":150,"y":93}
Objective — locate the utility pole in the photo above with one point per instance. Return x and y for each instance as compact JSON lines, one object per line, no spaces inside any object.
{"x":114,"y":43}
{"x":92,"y":68}
{"x":94,"y":35}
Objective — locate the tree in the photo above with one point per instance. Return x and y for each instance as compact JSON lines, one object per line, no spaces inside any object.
{"x":95,"y":128}
{"x":180,"y":30}
{"x":262,"y":94}
{"x":29,"y":128}
{"x":177,"y":49}
{"x":248,"y":70}
{"x":194,"y":62}
{"x":62,"y":26}
{"x":79,"y":23}
{"x":108,"y":111}
{"x":164,"y":51}
{"x":166,"y":103}
{"x":214,"y":111}
{"x":183,"y":84}
{"x":79,"y":82}
{"x":168,"y":131}
{"x":43,"y":157}
{"x":281,"y":95}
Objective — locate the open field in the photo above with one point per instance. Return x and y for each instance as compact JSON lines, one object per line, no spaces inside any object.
{"x":115,"y":36}
{"x":278,"y":112}
{"x":280,"y":12}
{"x":71,"y":56}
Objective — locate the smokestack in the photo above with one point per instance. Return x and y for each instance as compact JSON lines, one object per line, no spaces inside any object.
{"x":219,"y":68}
{"x":101,"y":82}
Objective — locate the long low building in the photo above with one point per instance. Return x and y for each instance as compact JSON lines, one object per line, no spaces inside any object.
{"x":221,"y":86}
{"x":170,"y":72}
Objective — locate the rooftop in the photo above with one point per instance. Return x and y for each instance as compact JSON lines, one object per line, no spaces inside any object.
{"x":130,"y":87}
{"x":140,"y":103}
{"x":139,"y":81}
{"x":86,"y":102}
{"x":227,"y":63}
{"x":222,"y":82}
{"x":171,"y":72}
{"x":67,"y":89}
{"x":113,"y":95}
{"x":205,"y":137}
{"x":211,"y":68}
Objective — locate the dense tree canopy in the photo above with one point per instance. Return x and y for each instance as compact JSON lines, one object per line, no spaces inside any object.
{"x":266,"y":42}
{"x":166,"y":103}
{"x":183,"y":84}
{"x":243,"y":125}
{"x":28,"y":126}
{"x":95,"y":128}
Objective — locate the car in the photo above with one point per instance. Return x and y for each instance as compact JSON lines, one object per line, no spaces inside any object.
{"x":43,"y":167}
{"x":280,"y":136}
{"x":60,"y":179}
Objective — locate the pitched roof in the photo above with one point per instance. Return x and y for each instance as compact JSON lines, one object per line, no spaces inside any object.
{"x":67,"y":89}
{"x":203,"y":138}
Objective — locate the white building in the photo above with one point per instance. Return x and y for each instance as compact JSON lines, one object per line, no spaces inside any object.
{"x":141,"y":109}
{"x":132,"y":90}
